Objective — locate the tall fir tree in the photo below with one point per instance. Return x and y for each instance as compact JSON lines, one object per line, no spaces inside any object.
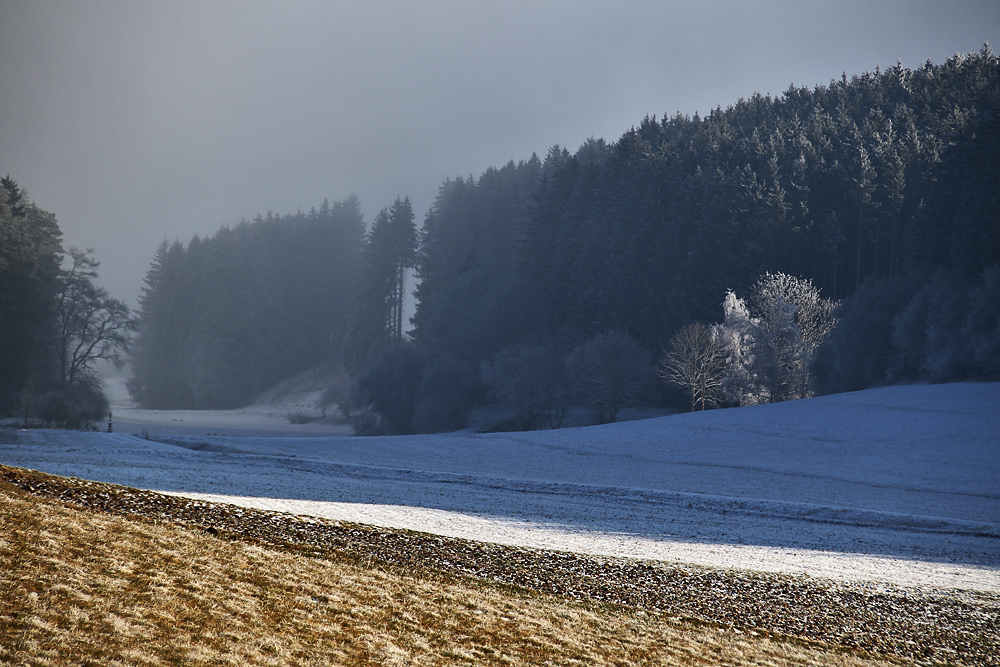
{"x":388,"y":253}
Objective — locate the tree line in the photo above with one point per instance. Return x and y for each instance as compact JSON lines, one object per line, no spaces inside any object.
{"x":537,"y":279}
{"x":223,"y":318}
{"x":56,"y":323}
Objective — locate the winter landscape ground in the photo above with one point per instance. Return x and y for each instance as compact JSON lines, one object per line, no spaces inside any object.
{"x":897,"y":486}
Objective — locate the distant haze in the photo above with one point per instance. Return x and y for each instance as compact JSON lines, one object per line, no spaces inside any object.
{"x":139,"y":121}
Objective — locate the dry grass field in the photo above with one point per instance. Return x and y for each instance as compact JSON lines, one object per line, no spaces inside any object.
{"x":83,"y":587}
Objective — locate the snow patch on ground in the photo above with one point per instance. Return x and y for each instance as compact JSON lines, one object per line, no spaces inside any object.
{"x":848,"y":567}
{"x":898,"y":485}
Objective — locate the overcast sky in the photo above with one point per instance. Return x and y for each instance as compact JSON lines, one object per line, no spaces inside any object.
{"x":138,"y":121}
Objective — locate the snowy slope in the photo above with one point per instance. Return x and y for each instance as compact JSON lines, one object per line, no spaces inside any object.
{"x":898,"y":485}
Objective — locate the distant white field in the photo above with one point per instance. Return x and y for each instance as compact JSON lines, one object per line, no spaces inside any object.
{"x":231,"y":423}
{"x":898,"y":485}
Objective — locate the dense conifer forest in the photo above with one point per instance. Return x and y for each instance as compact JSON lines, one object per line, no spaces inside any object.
{"x":224,"y":318}
{"x":865,"y":178}
{"x":878,"y":191}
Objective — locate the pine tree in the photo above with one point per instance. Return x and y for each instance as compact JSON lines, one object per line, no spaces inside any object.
{"x":163,"y":331}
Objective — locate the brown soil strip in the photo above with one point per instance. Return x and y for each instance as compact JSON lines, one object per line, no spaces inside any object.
{"x":937,"y":626}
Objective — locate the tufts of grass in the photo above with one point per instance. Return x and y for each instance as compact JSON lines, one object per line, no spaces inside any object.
{"x":86,"y":588}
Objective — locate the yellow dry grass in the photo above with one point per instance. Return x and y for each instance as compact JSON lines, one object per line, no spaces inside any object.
{"x":85,"y":588}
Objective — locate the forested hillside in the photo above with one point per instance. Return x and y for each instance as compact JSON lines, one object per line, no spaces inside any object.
{"x":884,"y":182}
{"x":867,"y":177}
{"x":226,"y":317}
{"x":876,"y":191}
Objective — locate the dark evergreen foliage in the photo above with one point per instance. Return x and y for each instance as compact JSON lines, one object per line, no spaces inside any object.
{"x":865,"y":180}
{"x":30,"y":255}
{"x":466,"y":259}
{"x":830,"y":184}
{"x":229,"y":316}
{"x":387,"y":256}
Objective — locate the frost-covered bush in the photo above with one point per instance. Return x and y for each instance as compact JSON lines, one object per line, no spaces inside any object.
{"x":939,"y":327}
{"x":981,"y":332}
{"x":338,"y":395}
{"x":925,"y":339}
{"x":949,"y":330}
{"x":860,"y":346}
{"x":366,"y":423}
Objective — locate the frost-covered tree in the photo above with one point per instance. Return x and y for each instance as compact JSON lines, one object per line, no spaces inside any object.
{"x":778,"y":353}
{"x":772,"y":339}
{"x":737,"y":335}
{"x":800,"y":318}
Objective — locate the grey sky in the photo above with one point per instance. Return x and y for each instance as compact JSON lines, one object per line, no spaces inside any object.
{"x":137,"y":121}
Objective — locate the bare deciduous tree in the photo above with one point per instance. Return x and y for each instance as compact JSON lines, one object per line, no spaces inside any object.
{"x":91,"y":324}
{"x":696,"y":362}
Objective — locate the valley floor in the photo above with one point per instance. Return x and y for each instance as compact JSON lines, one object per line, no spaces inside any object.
{"x":897,"y":486}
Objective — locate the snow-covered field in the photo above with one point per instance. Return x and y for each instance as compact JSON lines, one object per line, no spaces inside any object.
{"x":894,"y":486}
